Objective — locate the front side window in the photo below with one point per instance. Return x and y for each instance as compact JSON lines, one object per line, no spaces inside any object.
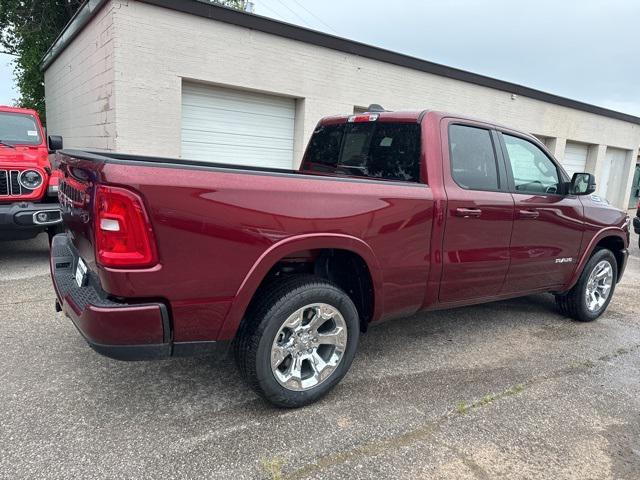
{"x":389,"y":151}
{"x":473,"y":159}
{"x":19,"y":129}
{"x":533,"y":172}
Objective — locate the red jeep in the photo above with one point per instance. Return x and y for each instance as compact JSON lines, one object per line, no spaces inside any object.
{"x":389,"y":214}
{"x":28,"y":186}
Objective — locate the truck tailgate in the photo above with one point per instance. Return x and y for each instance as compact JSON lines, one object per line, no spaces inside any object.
{"x":75,"y":193}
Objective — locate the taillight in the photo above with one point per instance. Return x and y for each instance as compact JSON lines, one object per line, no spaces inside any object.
{"x":123,"y":233}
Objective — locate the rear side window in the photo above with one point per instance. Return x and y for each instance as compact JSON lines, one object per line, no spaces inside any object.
{"x":389,"y":151}
{"x":473,"y":158}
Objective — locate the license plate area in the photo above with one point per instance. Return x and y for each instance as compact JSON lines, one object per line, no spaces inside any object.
{"x":81,"y":273}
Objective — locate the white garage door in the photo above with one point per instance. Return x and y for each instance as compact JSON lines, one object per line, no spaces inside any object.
{"x":575,"y":158}
{"x":609,"y":184}
{"x":222,"y":125}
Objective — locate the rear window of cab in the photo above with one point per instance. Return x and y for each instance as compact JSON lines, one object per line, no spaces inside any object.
{"x":380,"y":150}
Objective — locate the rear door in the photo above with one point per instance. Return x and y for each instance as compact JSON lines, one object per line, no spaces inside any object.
{"x":548,"y":225}
{"x":479,"y":214}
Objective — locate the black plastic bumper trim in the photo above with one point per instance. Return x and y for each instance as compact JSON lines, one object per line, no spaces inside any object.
{"x":133,"y":353}
{"x":159,"y":351}
{"x":20,"y":215}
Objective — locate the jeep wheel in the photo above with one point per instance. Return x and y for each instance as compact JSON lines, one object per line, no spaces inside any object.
{"x":298,"y":341}
{"x":591,"y":295}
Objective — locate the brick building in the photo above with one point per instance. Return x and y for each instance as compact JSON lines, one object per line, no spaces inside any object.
{"x":185,"y":78}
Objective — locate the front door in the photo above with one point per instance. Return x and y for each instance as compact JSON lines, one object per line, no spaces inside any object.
{"x":479,"y":214}
{"x":635,"y":189}
{"x":548,"y":226}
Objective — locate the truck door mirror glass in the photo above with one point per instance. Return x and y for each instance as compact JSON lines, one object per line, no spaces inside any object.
{"x":583,"y":184}
{"x":55,"y":143}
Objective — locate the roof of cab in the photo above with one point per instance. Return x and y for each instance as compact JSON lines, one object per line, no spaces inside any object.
{"x":414,"y":116}
{"x":386,"y":116}
{"x":410,"y":116}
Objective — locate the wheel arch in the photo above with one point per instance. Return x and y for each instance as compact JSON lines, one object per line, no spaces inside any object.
{"x":612,"y":238}
{"x":287,"y":247}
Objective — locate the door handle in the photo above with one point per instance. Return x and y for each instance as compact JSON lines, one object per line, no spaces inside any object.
{"x":468,"y":212}
{"x":529,"y":214}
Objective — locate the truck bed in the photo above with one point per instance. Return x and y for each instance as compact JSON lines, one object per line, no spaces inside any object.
{"x":219,"y":227}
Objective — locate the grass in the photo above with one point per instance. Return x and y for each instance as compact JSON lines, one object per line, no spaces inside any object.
{"x":488,"y":399}
{"x":273,"y":468}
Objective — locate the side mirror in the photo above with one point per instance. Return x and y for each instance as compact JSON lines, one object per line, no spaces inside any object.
{"x":582,"y":184}
{"x":55,"y":143}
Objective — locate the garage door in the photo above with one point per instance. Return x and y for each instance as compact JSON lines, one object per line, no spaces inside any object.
{"x":222,"y":125}
{"x":575,"y":158}
{"x":611,"y":178}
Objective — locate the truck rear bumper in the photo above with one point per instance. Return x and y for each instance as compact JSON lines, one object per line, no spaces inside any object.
{"x":22,"y":220}
{"x":119,"y":330}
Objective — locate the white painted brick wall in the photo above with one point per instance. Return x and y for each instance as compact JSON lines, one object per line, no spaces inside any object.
{"x":79,"y":88}
{"x":151,"y":49}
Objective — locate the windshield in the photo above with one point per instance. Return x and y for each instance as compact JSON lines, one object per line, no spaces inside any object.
{"x":389,"y":151}
{"x":19,"y":129}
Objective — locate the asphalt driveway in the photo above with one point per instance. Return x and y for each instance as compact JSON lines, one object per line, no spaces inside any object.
{"x":510,"y":389}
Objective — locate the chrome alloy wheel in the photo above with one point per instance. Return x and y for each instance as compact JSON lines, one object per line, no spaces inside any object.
{"x":599,"y":286}
{"x":308,"y":347}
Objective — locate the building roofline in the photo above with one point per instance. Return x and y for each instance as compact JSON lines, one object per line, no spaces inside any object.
{"x":80,"y":19}
{"x":252,"y":21}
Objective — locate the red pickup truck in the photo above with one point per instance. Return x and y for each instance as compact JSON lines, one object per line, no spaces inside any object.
{"x":28,"y":186}
{"x":388,"y":215}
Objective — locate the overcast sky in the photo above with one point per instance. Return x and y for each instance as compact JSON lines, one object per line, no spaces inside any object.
{"x":587,"y":50}
{"x":7,"y":89}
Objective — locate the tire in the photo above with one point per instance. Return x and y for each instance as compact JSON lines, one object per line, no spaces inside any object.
{"x":270,"y":328}
{"x":574,"y":303}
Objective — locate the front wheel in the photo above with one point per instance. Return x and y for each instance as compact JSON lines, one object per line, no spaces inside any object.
{"x":298,"y":341}
{"x":590,"y":296}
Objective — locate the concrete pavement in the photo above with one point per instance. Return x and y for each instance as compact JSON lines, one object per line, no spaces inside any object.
{"x":509,"y":389}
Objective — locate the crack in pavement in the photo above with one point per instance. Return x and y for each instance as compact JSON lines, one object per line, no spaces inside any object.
{"x":468,"y":462}
{"x":428,"y":429}
{"x":43,"y":300}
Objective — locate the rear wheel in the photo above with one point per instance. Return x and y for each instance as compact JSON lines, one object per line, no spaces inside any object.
{"x":298,"y":341}
{"x":590,"y":296}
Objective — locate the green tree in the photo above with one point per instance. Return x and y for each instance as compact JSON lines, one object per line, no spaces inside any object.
{"x":27,"y":30}
{"x":29,"y":27}
{"x":237,"y":4}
